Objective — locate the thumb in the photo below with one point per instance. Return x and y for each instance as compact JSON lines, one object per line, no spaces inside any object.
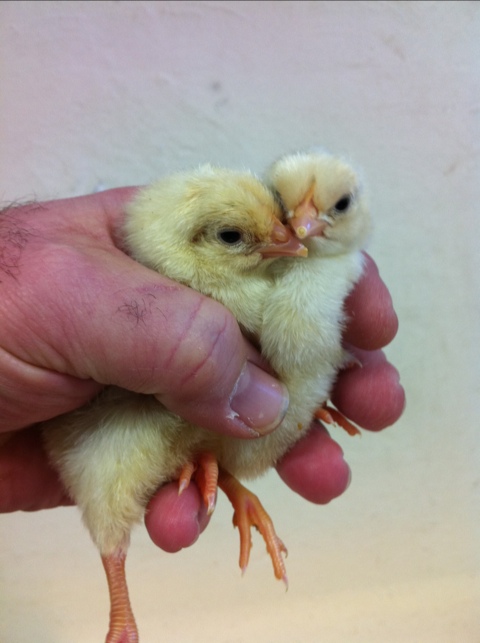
{"x":154,"y":336}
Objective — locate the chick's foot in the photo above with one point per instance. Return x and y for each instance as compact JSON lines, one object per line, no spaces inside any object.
{"x":248,"y":513}
{"x":123,"y":628}
{"x":204,"y":469}
{"x":330,"y":415}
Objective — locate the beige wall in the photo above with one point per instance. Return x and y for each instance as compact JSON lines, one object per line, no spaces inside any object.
{"x":95,"y":95}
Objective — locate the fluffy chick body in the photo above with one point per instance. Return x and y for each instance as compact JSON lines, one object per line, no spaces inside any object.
{"x":211,"y":194}
{"x":115,"y":452}
{"x":303,"y":316}
{"x":112,"y":455}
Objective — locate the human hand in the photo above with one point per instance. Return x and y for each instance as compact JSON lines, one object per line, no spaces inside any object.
{"x":64,"y":281}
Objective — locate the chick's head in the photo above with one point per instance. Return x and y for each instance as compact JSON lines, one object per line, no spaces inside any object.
{"x":208,"y":226}
{"x":323,"y":200}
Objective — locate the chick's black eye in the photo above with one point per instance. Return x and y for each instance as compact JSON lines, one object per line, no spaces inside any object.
{"x":230,"y":237}
{"x":343,"y":204}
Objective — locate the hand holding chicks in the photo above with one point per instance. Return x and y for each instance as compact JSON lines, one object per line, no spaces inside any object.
{"x":138,"y":315}
{"x":85,"y":227}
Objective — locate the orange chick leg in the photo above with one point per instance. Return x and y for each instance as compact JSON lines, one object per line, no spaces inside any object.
{"x":249,"y":512}
{"x":205,"y":471}
{"x":122,"y":628}
{"x":330,"y":415}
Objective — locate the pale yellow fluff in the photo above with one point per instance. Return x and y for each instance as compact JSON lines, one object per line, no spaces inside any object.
{"x":303,"y":316}
{"x":114,"y":453}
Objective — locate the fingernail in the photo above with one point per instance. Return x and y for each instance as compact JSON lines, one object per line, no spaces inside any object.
{"x":259,"y":400}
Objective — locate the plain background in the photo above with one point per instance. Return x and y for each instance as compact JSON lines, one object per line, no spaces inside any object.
{"x":102,"y":94}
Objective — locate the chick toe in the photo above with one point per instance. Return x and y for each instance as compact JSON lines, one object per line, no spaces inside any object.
{"x":330,"y":415}
{"x":249,"y":512}
{"x":204,"y":469}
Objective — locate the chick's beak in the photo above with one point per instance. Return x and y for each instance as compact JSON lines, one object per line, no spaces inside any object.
{"x":305,"y":221}
{"x":282,"y":244}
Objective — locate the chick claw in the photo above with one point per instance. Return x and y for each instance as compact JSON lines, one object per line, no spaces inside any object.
{"x":248,"y":513}
{"x":205,"y":471}
{"x":330,"y":415}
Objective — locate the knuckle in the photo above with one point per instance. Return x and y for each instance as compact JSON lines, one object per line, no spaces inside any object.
{"x":206,"y":349}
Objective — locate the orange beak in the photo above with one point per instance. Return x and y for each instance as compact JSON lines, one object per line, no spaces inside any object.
{"x":283,"y":244}
{"x":305,"y":221}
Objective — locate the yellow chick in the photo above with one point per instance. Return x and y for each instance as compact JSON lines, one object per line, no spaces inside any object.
{"x":303,"y":314}
{"x":326,"y":208}
{"x":323,"y":199}
{"x":217,"y":231}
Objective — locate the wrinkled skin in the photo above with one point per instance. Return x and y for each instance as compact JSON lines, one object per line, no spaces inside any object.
{"x":65,"y":282}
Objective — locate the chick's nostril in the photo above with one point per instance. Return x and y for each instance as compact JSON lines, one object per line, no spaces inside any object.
{"x":307,"y":226}
{"x":301,"y":232}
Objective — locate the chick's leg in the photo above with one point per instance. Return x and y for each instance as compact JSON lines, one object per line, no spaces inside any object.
{"x":123,"y":628}
{"x":248,"y":513}
{"x":205,"y":471}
